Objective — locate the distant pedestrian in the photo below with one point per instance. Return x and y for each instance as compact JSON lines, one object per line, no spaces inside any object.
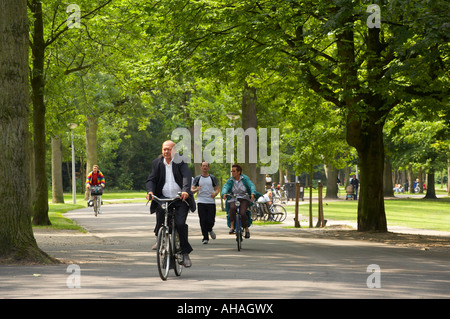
{"x":355,"y":183}
{"x":268,"y":181}
{"x":207,"y":187}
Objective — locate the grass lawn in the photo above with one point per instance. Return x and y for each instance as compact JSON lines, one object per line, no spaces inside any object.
{"x":413,"y":213}
{"x":56,"y":211}
{"x":117,"y":196}
{"x":56,"y":215}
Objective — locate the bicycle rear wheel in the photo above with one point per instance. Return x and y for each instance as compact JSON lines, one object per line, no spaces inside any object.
{"x":177,"y":257}
{"x":163,"y":253}
{"x":254,"y":212}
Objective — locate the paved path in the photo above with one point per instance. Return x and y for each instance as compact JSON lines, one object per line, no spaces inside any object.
{"x":114,"y":260}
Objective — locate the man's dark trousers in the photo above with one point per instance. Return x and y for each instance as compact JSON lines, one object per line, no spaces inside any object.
{"x":207,"y":216}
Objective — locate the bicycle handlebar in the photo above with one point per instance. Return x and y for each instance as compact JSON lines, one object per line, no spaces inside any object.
{"x":165,"y":200}
{"x":160,"y":201}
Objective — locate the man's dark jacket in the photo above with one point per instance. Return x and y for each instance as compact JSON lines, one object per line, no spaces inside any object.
{"x":182,"y":175}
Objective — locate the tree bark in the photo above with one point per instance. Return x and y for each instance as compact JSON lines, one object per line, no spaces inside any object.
{"x":57,"y":180}
{"x":17,"y":242}
{"x":347,"y":176}
{"x":369,"y":144}
{"x":431,"y":190}
{"x":420,"y":184}
{"x":448,"y":177}
{"x":388,"y":187}
{"x":249,"y":120}
{"x":410,"y":179}
{"x":40,"y":205}
{"x":332,"y":173}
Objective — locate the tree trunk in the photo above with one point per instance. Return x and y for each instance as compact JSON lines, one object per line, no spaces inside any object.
{"x":388,"y":187}
{"x":17,"y":242}
{"x":410,"y":179}
{"x":431,"y":191}
{"x":40,"y":205}
{"x":91,"y":147}
{"x":347,"y":176}
{"x":368,"y":141}
{"x":310,"y":195}
{"x":57,"y":180}
{"x":332,"y":173}
{"x":448,"y":177}
{"x":420,"y":184}
{"x":249,"y":120}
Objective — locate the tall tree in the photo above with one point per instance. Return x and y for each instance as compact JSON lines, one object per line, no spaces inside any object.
{"x":39,"y":45}
{"x":17,"y":242}
{"x":40,"y":205}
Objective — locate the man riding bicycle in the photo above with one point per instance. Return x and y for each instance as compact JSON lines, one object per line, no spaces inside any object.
{"x":95,"y":178}
{"x":167,"y":179}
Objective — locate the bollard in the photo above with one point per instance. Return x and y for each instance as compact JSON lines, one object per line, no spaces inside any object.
{"x":297,"y":195}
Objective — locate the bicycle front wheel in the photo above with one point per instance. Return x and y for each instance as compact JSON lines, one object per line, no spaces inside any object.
{"x":163,"y":253}
{"x":238,"y":232}
{"x":95,"y":205}
{"x":177,"y":257}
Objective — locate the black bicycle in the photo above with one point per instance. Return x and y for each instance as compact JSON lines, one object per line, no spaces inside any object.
{"x":238,"y":229}
{"x":168,"y":249}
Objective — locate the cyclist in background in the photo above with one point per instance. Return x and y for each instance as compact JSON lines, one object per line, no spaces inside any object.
{"x":240,"y":185}
{"x":95,"y":178}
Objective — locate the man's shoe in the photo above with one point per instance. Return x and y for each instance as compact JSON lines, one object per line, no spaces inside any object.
{"x":205,"y":241}
{"x":212,"y":234}
{"x":232,"y":231}
{"x":186,"y":261}
{"x":154,"y":246}
{"x":247,"y":234}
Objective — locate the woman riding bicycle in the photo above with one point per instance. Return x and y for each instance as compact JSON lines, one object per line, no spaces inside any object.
{"x":239,"y":185}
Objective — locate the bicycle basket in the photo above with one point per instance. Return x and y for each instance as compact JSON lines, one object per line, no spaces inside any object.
{"x":96,"y":190}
